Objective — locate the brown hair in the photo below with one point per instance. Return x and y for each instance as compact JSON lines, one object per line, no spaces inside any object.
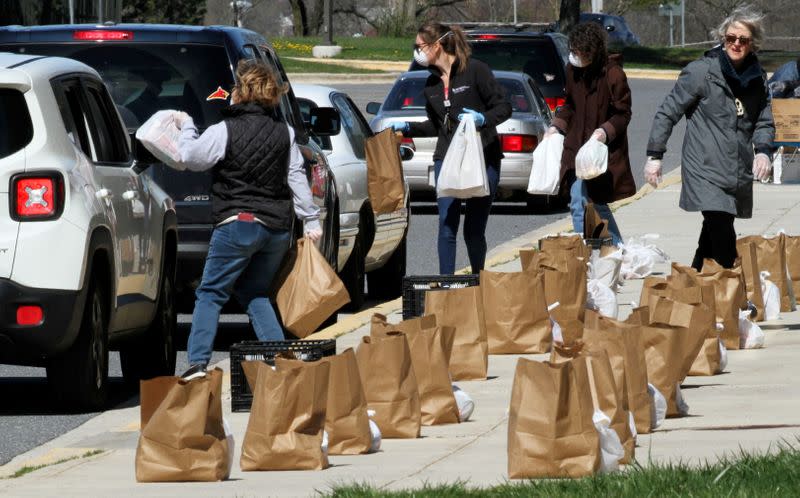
{"x":590,"y":39}
{"x":256,"y":82}
{"x":453,"y":41}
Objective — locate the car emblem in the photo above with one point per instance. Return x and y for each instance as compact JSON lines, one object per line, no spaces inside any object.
{"x":219,"y":94}
{"x":36,"y":196}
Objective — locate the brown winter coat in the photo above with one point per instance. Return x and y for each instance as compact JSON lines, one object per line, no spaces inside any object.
{"x":603,"y":102}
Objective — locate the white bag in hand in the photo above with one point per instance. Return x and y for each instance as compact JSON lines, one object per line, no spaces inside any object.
{"x":160,"y":136}
{"x":546,"y":167}
{"x":772,"y":297}
{"x":463,"y":172}
{"x":592,"y":160}
{"x":658,"y":406}
{"x":465,"y":404}
{"x":601,"y":299}
{"x":750,"y":335}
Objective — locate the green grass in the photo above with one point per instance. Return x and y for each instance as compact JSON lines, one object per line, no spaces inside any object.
{"x":371,"y":48}
{"x":28,"y":469}
{"x":748,"y":475}
{"x":294,"y":66}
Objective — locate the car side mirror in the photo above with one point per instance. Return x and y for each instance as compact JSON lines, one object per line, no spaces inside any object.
{"x":373,"y":108}
{"x":142,"y":158}
{"x":406,"y":153}
{"x":610,"y":28}
{"x":325,"y":121}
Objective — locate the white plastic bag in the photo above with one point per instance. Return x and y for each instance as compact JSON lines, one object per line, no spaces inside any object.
{"x":640,"y":255}
{"x":607,"y":268}
{"x":375,"y":432}
{"x":777,"y":167}
{"x":592,"y":160}
{"x":546,"y":167}
{"x":750,"y":334}
{"x":324,"y":444}
{"x":611,"y":450}
{"x":463,"y":172}
{"x":601,"y":299}
{"x":558,"y":335}
{"x":632,"y":424}
{"x":231,"y":444}
{"x":160,"y":136}
{"x":683,"y":407}
{"x":465,"y":404}
{"x":658,"y":406}
{"x":772,"y":297}
{"x":723,"y":357}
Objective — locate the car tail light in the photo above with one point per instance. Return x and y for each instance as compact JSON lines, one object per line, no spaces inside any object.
{"x":409,"y":142}
{"x":488,"y":37}
{"x":30,"y":315}
{"x":554,"y":102}
{"x":102,"y":35}
{"x":37,"y":197}
{"x":519,"y":143}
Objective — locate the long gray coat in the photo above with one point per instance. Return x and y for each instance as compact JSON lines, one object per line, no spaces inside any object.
{"x":717,"y":158}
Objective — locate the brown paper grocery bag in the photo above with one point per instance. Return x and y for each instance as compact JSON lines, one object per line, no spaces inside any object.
{"x":571,"y":330}
{"x":623,"y":344}
{"x":380,"y":324}
{"x":517,"y":320}
{"x":752,"y":275}
{"x":772,"y":258}
{"x":731,"y":297}
{"x":793,"y":262}
{"x":462,"y":309}
{"x":564,"y":282}
{"x":594,"y":227}
{"x":570,"y":243}
{"x":183,"y":438}
{"x":346,"y":419}
{"x":311,"y":292}
{"x":390,"y":385}
{"x":384,"y":172}
{"x":287,"y":418}
{"x":550,"y":430}
{"x":437,"y":402}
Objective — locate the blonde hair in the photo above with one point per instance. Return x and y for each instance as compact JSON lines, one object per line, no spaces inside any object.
{"x":256,"y":82}
{"x":451,"y":38}
{"x":747,"y":16}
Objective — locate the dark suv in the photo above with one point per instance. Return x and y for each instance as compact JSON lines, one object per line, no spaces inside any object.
{"x":153,"y":67}
{"x":619,"y":34}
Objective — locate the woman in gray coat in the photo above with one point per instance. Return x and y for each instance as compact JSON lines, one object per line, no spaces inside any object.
{"x":727,"y":107}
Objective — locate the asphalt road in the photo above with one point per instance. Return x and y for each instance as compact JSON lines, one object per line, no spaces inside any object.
{"x":28,"y":418}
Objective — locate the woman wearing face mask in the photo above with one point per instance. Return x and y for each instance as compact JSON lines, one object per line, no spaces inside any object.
{"x":457,"y":86}
{"x":725,"y":99}
{"x":598,"y":105}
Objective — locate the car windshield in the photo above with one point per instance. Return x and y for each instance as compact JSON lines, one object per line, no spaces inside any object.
{"x":536,"y":57}
{"x":515,"y":93}
{"x":406,"y":95}
{"x":144,"y":78}
{"x":16,"y":130}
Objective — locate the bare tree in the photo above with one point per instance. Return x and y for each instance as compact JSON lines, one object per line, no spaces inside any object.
{"x":568,"y":16}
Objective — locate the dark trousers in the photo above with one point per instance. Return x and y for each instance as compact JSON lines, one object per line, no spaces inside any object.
{"x":475,"y":219}
{"x":717,"y":240}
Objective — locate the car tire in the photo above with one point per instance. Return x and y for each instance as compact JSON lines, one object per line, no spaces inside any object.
{"x":353,"y":275}
{"x":387,"y":281}
{"x":154,"y":353}
{"x":79,"y":376}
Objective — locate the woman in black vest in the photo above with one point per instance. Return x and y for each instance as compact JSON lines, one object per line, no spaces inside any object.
{"x":457,"y":86}
{"x":258,"y":174}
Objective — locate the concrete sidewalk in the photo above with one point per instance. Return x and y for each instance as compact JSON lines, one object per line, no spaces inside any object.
{"x":751,"y":406}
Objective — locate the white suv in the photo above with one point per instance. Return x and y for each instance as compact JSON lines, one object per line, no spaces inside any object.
{"x":87,"y":243}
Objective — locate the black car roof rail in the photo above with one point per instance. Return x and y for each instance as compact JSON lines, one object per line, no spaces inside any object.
{"x":520,"y":26}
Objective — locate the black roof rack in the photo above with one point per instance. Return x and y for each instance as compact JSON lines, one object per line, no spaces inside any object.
{"x":544,"y":27}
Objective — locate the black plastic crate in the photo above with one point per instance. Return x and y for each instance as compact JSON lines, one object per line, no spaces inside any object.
{"x":414,"y":289}
{"x":241,"y":396}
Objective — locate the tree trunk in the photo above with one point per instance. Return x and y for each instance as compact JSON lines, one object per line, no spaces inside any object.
{"x":299,"y":17}
{"x":568,"y":17}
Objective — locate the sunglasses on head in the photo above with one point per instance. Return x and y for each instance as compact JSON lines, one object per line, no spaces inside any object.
{"x":743,"y":40}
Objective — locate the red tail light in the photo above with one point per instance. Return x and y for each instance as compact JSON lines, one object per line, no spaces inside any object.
{"x":554,"y":102}
{"x":409,"y":142}
{"x":488,"y":37}
{"x":38,"y":197}
{"x":102,"y":35}
{"x":519,"y":143}
{"x":30,"y":315}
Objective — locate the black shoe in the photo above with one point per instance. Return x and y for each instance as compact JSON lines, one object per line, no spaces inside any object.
{"x":196,"y":371}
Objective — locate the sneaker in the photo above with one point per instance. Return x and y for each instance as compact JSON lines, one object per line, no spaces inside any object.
{"x":195,"y":371}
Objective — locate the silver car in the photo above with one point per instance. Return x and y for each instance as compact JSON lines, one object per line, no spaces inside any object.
{"x":519,"y":135}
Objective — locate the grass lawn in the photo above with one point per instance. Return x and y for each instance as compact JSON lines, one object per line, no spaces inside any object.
{"x":372,"y":48}
{"x":775,"y":475}
{"x":295,"y":66}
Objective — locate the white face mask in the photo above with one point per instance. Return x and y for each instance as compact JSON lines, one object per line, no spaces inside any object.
{"x":421,"y":57}
{"x":576,"y":61}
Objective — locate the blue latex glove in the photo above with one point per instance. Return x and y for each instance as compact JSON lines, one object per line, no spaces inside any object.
{"x":476,"y":116}
{"x":401,"y":126}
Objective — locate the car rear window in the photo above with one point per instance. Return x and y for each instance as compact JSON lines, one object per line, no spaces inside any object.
{"x":16,"y":129}
{"x":406,"y":95}
{"x":536,"y":57}
{"x":146,"y":77}
{"x":515,"y":94}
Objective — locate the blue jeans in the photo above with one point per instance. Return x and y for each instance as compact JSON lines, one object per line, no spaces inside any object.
{"x":475,"y":219}
{"x":578,"y":200}
{"x":243,"y":258}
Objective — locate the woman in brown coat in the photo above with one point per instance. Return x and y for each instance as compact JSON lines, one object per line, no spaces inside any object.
{"x":598,"y":105}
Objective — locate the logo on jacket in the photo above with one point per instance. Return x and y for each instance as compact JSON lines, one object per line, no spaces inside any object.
{"x":461,"y":89}
{"x":739,"y":108}
{"x":219,"y":94}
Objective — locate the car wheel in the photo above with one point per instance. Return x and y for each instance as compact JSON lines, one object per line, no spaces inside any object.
{"x":79,"y":376}
{"x":353,"y":275}
{"x":387,"y":281}
{"x":153,"y":354}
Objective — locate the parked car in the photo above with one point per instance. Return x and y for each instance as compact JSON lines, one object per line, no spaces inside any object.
{"x":541,"y":55}
{"x":519,"y":135}
{"x":189,"y":68}
{"x":619,"y":34}
{"x":374,"y":245}
{"x":88,"y":243}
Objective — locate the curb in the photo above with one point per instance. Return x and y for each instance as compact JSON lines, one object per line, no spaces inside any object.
{"x":529,"y":240}
{"x":334,"y":78}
